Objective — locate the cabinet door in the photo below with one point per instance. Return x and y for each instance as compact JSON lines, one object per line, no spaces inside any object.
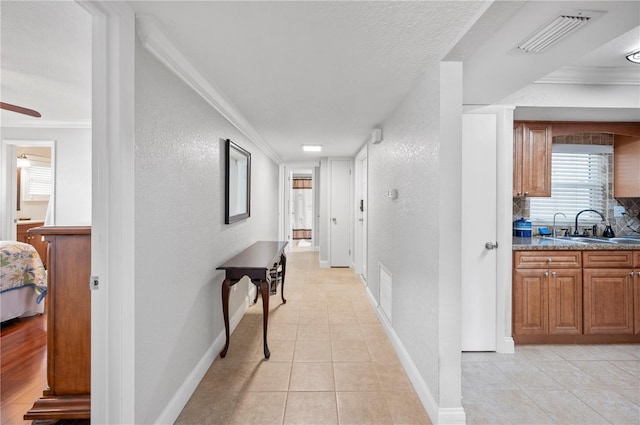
{"x":636,"y":301}
{"x":517,"y":159}
{"x":608,"y":301}
{"x":530,"y":302}
{"x":626,"y":166}
{"x":536,"y":160}
{"x":565,"y":301}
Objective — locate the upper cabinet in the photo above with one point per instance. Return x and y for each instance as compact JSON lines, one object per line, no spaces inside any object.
{"x":626,"y":166}
{"x":532,"y":159}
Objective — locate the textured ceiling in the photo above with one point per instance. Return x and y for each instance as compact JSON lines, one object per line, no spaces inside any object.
{"x":324,"y":72}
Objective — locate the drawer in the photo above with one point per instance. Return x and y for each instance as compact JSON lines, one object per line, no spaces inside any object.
{"x":545,"y":259}
{"x":607,"y":259}
{"x":636,"y":258}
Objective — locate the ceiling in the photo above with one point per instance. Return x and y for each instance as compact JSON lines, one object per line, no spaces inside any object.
{"x":328,"y":73}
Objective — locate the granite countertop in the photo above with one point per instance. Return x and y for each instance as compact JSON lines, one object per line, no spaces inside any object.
{"x":547,"y":243}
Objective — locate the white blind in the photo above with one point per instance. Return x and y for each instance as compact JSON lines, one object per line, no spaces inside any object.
{"x":37,"y":181}
{"x":578,"y":182}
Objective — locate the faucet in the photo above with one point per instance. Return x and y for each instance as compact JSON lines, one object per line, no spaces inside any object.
{"x":575,"y":230}
{"x":555,"y":231}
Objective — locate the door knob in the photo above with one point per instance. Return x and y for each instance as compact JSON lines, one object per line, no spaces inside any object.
{"x":491,"y":245}
{"x":334,"y":220}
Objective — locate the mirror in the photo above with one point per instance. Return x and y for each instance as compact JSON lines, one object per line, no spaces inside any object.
{"x":237,"y":177}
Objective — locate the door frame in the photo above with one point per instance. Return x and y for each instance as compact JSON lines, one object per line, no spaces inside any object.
{"x":8,"y":186}
{"x":360,"y":232}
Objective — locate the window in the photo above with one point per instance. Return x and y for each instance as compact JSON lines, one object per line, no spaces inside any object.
{"x":36,"y":181}
{"x":579,"y":181}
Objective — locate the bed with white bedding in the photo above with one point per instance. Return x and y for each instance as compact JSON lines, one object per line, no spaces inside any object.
{"x":23,"y":281}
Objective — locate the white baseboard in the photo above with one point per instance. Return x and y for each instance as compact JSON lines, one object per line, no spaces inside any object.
{"x":186,"y":390}
{"x":324,"y":264}
{"x":438,"y":416}
{"x":507,"y":346}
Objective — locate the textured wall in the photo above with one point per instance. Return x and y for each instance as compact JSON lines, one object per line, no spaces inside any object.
{"x":180,"y":232}
{"x":403,"y":233}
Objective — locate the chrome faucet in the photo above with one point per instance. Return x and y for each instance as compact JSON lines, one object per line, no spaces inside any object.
{"x":575,"y":230}
{"x":555,"y":231}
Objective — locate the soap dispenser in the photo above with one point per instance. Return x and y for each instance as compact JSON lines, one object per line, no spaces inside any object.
{"x":608,"y":232}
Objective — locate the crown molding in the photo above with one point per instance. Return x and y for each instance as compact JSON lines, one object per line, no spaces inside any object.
{"x":609,"y":75}
{"x":159,"y":44}
{"x":45,"y":124}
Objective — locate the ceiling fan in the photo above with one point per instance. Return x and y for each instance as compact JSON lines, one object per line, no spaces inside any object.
{"x":20,"y":110}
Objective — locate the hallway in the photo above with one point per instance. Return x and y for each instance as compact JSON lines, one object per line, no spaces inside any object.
{"x":331,"y":362}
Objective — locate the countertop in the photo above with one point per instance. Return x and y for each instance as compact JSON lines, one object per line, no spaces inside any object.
{"x":545,"y":243}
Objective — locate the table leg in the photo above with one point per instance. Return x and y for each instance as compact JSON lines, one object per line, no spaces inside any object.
{"x":225,"y":313}
{"x":264,"y":291}
{"x":283,"y":261}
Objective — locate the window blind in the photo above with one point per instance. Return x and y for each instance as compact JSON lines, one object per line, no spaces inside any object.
{"x":38,"y":183}
{"x":578,"y":182}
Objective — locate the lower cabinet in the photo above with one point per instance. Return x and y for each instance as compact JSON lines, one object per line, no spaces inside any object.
{"x":547,"y":301}
{"x":573,"y":296}
{"x":608,"y":301}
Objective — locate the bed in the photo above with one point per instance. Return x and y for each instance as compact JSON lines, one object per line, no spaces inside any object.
{"x":23,"y":281}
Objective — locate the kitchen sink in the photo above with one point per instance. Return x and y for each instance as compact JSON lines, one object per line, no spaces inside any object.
{"x":597,"y":240}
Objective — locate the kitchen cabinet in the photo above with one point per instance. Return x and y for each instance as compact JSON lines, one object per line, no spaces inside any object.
{"x":532,"y":159}
{"x":22,"y":235}
{"x":636,"y":292}
{"x":608,"y":292}
{"x":547,"y":293}
{"x":626,"y":166}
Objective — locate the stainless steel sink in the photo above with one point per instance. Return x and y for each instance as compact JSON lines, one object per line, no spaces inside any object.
{"x":631,"y":240}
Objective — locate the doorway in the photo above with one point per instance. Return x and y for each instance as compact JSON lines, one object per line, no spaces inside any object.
{"x":302,"y":207}
{"x":23,"y":189}
{"x":360,"y":237}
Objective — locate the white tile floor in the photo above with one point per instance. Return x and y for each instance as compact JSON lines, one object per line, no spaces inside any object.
{"x":553,"y":384}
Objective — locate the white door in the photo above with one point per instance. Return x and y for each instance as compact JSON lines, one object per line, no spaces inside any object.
{"x":339,"y":233}
{"x":364,"y":218}
{"x":479,"y":230}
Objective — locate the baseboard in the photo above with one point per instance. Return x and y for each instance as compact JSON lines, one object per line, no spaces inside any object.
{"x":438,"y":416}
{"x":507,"y":346}
{"x":186,"y":390}
{"x":324,"y":264}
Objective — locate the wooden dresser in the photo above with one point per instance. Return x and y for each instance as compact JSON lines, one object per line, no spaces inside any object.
{"x":68,"y":312}
{"x":23,"y":235}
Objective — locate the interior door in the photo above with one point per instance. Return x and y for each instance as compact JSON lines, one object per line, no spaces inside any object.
{"x":479,"y":231}
{"x":339,"y":233}
{"x":364,"y":218}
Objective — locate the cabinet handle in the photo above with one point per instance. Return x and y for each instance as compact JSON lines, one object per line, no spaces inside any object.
{"x":549,"y":260}
{"x":553,"y":274}
{"x":631,"y":273}
{"x":546,"y":273}
{"x":526,"y":193}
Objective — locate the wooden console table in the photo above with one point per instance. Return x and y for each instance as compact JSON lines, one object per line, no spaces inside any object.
{"x":256,"y":263}
{"x":68,"y":306}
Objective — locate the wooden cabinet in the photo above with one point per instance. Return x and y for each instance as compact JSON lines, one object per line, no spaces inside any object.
{"x":68,"y":325}
{"x":23,"y":235}
{"x":532,"y":159}
{"x":608,"y":280}
{"x":547,"y":293}
{"x":636,"y":292}
{"x":626,"y":166}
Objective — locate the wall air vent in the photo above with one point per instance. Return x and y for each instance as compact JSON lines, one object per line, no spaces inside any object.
{"x":563,"y":25}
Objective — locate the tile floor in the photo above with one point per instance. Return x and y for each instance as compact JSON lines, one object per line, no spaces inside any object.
{"x":331,"y":363}
{"x":553,"y":384}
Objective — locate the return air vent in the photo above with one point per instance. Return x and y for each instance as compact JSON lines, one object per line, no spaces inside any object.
{"x":563,"y":25}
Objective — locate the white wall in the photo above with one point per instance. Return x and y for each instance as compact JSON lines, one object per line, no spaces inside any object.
{"x":405,"y":233}
{"x":180,"y":232}
{"x":72,"y":167}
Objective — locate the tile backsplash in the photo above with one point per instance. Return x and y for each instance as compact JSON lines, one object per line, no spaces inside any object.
{"x":620,"y":226}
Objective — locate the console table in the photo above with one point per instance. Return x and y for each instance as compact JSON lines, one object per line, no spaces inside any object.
{"x":256,"y":263}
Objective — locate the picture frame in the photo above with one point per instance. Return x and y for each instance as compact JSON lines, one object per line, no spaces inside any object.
{"x":237,"y":205}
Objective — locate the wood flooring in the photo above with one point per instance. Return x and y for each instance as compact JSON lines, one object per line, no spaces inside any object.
{"x":23,"y":370}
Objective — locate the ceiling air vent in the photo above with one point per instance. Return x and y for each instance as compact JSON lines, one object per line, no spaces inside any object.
{"x":560,"y":27}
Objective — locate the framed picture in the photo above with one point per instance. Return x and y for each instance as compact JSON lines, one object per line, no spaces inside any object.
{"x":237,"y":176}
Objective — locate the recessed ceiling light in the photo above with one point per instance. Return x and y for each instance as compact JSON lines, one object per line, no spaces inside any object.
{"x":634,"y":56}
{"x":312,"y":148}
